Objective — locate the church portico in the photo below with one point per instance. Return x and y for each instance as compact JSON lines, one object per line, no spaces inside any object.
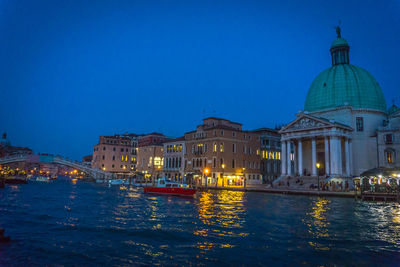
{"x":321,"y":147}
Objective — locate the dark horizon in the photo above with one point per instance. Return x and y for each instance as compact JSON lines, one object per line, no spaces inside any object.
{"x":73,"y":71}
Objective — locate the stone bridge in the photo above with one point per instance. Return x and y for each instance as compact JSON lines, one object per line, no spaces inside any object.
{"x":94,"y":173}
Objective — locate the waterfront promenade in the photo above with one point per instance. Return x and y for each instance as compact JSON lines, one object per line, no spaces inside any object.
{"x":285,"y":191}
{"x":369,"y":196}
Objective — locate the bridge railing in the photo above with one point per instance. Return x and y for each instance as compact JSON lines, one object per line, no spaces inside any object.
{"x":94,"y":172}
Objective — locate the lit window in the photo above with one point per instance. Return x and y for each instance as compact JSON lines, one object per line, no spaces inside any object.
{"x":221,"y":147}
{"x":389,"y":156}
{"x":258,"y":152}
{"x":122,"y":157}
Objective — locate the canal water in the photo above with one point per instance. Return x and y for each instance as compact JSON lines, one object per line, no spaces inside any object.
{"x":67,"y":223}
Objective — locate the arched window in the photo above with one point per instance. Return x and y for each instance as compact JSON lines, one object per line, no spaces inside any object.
{"x":390,"y":155}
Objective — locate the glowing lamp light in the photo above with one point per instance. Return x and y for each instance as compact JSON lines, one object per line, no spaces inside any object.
{"x":223,"y":166}
{"x":318,"y":165}
{"x":206,"y":171}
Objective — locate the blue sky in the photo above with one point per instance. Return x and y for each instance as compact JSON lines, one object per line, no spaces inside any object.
{"x":73,"y":70}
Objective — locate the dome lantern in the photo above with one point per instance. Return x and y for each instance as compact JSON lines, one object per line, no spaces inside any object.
{"x":340,"y":49}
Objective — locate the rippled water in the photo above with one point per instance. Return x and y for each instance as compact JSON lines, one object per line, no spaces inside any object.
{"x":62,"y":223}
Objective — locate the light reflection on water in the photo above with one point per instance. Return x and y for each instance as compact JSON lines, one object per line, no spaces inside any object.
{"x":98,"y":225}
{"x":317,"y":222}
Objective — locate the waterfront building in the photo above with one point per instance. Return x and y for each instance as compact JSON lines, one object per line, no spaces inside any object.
{"x":116,"y":154}
{"x":221,"y":151}
{"x":174,"y":159}
{"x":270,"y":154}
{"x":151,"y":155}
{"x":389,"y":140}
{"x":336,"y":134}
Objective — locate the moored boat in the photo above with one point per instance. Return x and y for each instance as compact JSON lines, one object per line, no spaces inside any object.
{"x":116,"y":182}
{"x":42,"y":179}
{"x":165,"y":186}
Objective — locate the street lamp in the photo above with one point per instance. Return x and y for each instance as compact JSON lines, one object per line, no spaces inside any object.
{"x":244,"y":177}
{"x":206,"y":171}
{"x":222,"y":175}
{"x":318,"y":165}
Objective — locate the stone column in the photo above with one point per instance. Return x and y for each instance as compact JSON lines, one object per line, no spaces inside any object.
{"x":340,"y":165}
{"x":351,"y":157}
{"x":283,"y":158}
{"x":333,"y":155}
{"x":314,"y":157}
{"x":295,"y":168}
{"x":327,"y":167}
{"x":347,"y":155}
{"x":288,"y":154}
{"x":300,"y":157}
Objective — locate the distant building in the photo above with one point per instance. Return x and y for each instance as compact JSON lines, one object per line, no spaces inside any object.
{"x":6,"y":149}
{"x":87,"y":160}
{"x":270,"y":143}
{"x":230,"y":155}
{"x":116,"y":154}
{"x":151,"y":155}
{"x":174,"y":159}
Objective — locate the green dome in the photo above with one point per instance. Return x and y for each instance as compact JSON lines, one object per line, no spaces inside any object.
{"x":345,"y":84}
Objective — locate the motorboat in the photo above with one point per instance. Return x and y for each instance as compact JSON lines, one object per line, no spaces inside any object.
{"x":165,"y":186}
{"x":42,"y":179}
{"x":116,"y":182}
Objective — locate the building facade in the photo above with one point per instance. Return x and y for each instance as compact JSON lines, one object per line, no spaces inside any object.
{"x":151,"y":155}
{"x":270,"y":154}
{"x":116,"y":154}
{"x":337,"y":133}
{"x":389,"y":140}
{"x":174,"y":159}
{"x":221,"y":151}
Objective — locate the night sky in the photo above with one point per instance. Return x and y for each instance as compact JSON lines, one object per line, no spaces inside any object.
{"x":73,"y":70}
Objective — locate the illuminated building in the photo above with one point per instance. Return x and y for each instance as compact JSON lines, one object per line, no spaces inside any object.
{"x":344,"y":114}
{"x":174,"y":159}
{"x":150,"y":155}
{"x":222,"y":147}
{"x":117,"y":154}
{"x":270,"y":143}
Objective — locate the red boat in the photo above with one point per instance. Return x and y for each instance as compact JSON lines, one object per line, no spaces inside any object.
{"x":167,"y":187}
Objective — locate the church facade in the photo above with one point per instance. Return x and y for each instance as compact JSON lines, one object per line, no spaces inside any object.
{"x":345,"y":128}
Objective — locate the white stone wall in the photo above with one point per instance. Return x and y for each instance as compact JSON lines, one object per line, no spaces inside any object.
{"x":365,"y":154}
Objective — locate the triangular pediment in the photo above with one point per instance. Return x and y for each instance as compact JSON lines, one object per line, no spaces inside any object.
{"x":308,"y":122}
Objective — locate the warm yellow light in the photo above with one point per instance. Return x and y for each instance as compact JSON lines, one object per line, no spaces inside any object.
{"x":206,"y":171}
{"x":223,"y":166}
{"x":318,"y":165}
